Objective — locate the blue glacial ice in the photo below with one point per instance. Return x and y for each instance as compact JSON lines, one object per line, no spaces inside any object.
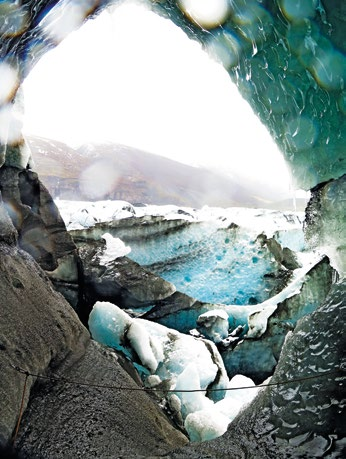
{"x":171,"y":361}
{"x":217,"y":258}
{"x":221,"y":257}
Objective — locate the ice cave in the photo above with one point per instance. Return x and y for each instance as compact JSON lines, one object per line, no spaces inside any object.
{"x":106,"y":348}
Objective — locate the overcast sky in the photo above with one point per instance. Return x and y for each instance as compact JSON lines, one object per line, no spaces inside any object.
{"x":134,"y":78}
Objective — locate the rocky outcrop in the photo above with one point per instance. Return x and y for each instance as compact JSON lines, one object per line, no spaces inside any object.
{"x":95,"y":421}
{"x":283,"y":255}
{"x":120,"y":281}
{"x":41,"y":230}
{"x":38,"y":330}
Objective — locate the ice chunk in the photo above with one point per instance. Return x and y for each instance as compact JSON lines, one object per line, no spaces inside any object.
{"x":191,"y":401}
{"x":214,"y":325}
{"x":108,"y":324}
{"x":189,"y":366}
{"x":148,"y":348}
{"x":245,"y":396}
{"x":236,"y":399}
{"x":115,"y":249}
{"x":206,"y":425}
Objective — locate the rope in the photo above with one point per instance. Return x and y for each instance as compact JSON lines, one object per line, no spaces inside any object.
{"x":123,"y":388}
{"x":21,"y":409}
{"x":145,"y":389}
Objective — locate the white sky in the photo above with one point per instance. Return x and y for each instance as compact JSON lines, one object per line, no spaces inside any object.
{"x":135,"y":78}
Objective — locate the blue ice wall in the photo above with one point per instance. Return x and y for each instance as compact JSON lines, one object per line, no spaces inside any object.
{"x":211,"y":264}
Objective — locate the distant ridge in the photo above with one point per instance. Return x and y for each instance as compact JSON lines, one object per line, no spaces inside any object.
{"x":112,"y":171}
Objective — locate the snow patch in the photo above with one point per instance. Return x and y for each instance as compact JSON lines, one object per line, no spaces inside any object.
{"x":115,"y":249}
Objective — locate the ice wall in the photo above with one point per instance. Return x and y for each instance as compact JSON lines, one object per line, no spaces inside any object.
{"x":287,"y":59}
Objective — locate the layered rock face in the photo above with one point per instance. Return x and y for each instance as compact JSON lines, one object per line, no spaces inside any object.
{"x":121,"y":281}
{"x":41,"y":230}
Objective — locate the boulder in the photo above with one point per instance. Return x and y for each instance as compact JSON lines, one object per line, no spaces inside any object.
{"x":38,"y":330}
{"x":120,"y":280}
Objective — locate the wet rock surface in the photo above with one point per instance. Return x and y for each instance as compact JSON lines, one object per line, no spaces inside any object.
{"x":304,"y":419}
{"x":95,"y":421}
{"x":38,"y":330}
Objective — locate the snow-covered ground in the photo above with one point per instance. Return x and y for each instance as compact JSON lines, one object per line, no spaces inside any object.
{"x":84,"y":214}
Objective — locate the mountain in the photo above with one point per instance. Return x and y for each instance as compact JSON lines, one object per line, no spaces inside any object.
{"x":112,"y":171}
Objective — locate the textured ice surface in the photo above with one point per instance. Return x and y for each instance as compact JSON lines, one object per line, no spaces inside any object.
{"x":218,"y":258}
{"x":214,"y":325}
{"x":171,"y":360}
{"x":288,"y":61}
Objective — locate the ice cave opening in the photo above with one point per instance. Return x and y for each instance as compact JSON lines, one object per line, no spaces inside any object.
{"x":256,"y":272}
{"x":149,"y":86}
{"x":125,"y":105}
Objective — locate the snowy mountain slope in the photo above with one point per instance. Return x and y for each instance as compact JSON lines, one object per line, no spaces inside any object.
{"x":111,"y":171}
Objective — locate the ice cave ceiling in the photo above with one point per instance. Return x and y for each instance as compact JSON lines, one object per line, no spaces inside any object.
{"x":286,"y":57}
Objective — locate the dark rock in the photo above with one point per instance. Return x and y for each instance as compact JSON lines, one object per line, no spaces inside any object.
{"x":95,"y":421}
{"x":275,"y":248}
{"x":40,"y":228}
{"x":121,"y":281}
{"x":37,"y":329}
{"x":171,"y":312}
{"x":40,"y":333}
{"x":289,"y":259}
{"x":283,"y":255}
{"x":8,"y":233}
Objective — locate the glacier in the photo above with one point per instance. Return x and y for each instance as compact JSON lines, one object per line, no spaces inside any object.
{"x":174,"y":365}
{"x":288,"y":61}
{"x":243,"y":333}
{"x":220,"y":244}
